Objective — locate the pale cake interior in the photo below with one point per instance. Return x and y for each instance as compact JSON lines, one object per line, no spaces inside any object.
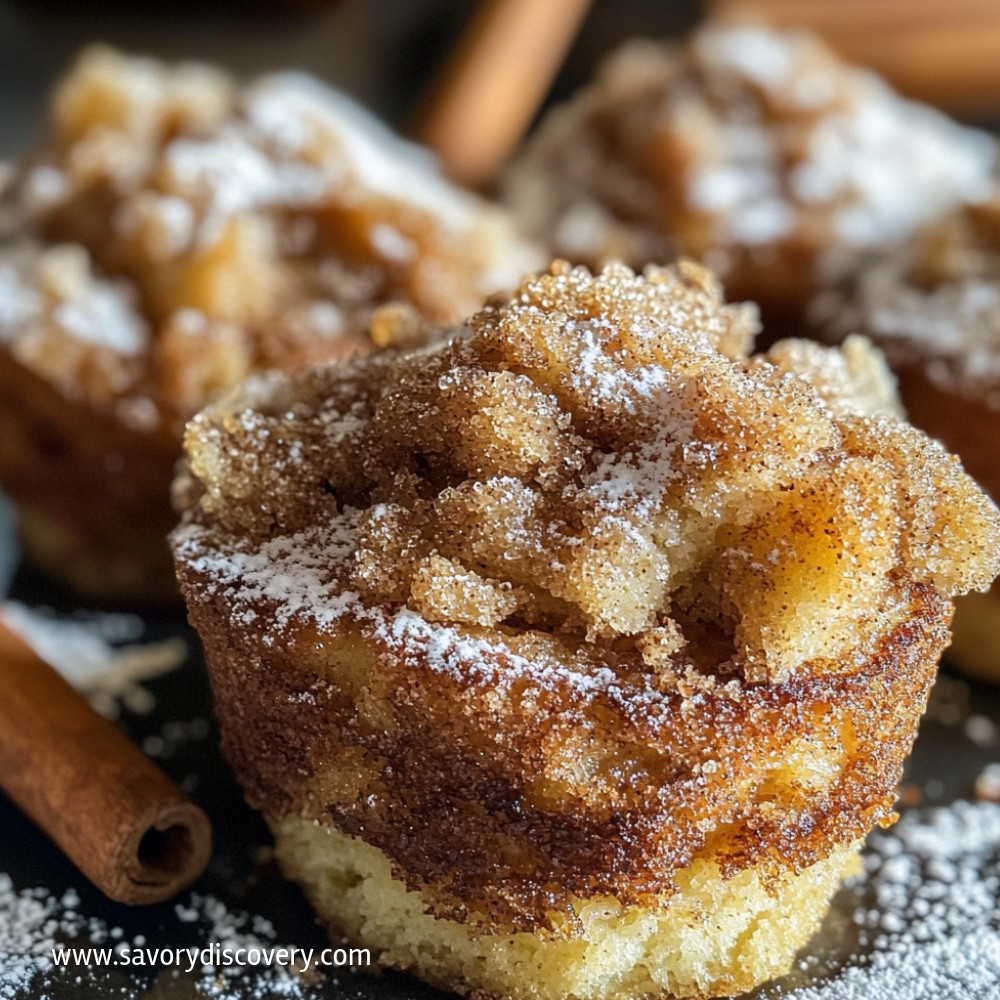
{"x":714,"y":937}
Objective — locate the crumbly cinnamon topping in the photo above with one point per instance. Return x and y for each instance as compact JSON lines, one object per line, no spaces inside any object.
{"x":176,"y":232}
{"x":600,"y":458}
{"x":752,"y":149}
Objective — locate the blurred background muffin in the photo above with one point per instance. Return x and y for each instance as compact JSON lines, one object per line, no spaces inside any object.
{"x":174,"y":232}
{"x":752,"y":149}
{"x":933,"y":307}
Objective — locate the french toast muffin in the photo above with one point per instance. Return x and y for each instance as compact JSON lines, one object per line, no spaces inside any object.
{"x":175,"y":232}
{"x":933,"y":307}
{"x":576,"y":656}
{"x":755,"y":150}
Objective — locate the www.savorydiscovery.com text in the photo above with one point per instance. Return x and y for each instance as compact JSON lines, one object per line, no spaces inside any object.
{"x":213,"y":956}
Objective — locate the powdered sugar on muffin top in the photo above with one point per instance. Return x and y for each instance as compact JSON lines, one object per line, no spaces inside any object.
{"x":751,"y":149}
{"x":204,"y":231}
{"x":598,"y":461}
{"x":936,"y":302}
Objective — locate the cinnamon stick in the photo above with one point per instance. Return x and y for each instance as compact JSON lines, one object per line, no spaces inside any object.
{"x":124,"y":824}
{"x":488,"y":93}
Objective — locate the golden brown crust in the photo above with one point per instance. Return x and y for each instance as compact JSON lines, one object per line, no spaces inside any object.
{"x":467,"y":781}
{"x":586,"y":595}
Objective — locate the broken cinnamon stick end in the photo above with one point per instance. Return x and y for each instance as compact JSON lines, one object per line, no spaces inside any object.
{"x":160,"y":858}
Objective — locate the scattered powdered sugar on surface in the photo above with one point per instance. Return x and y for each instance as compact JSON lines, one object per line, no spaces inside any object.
{"x":982,"y":731}
{"x":232,"y":931}
{"x":99,"y":654}
{"x":30,"y":920}
{"x":33,"y":921}
{"x":933,"y":917}
{"x":988,"y":782}
{"x":929,"y":914}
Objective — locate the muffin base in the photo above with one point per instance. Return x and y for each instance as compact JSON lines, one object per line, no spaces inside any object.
{"x":714,"y":937}
{"x":93,"y":493}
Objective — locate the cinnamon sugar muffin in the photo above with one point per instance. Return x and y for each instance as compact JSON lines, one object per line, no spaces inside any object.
{"x":757,"y":151}
{"x":575,"y":657}
{"x":174,"y":233}
{"x":934,"y":309}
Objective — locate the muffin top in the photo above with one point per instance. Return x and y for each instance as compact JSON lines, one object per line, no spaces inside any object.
{"x":748,"y":148}
{"x":176,"y":231}
{"x":597,"y":463}
{"x":935,"y":303}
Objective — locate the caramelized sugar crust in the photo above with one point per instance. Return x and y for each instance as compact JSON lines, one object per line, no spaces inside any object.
{"x":757,"y":151}
{"x":587,"y":593}
{"x":508,"y":785}
{"x":175,"y":233}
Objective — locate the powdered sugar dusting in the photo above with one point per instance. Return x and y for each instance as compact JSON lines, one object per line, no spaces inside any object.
{"x":56,"y":288}
{"x":281,"y":212}
{"x":756,"y":53}
{"x":742,"y":146}
{"x":19,"y":302}
{"x":104,"y":316}
{"x":30,"y":922}
{"x":98,"y":654}
{"x":297,"y":113}
{"x":228,"y":175}
{"x":34,"y":921}
{"x":449,"y":651}
{"x":932,"y":919}
{"x":936,"y":302}
{"x":300,"y":576}
{"x":856,"y":151}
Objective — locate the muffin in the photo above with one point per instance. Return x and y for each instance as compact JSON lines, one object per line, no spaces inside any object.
{"x":174,"y":233}
{"x":755,"y":150}
{"x":934,"y":309}
{"x":577,"y":655}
